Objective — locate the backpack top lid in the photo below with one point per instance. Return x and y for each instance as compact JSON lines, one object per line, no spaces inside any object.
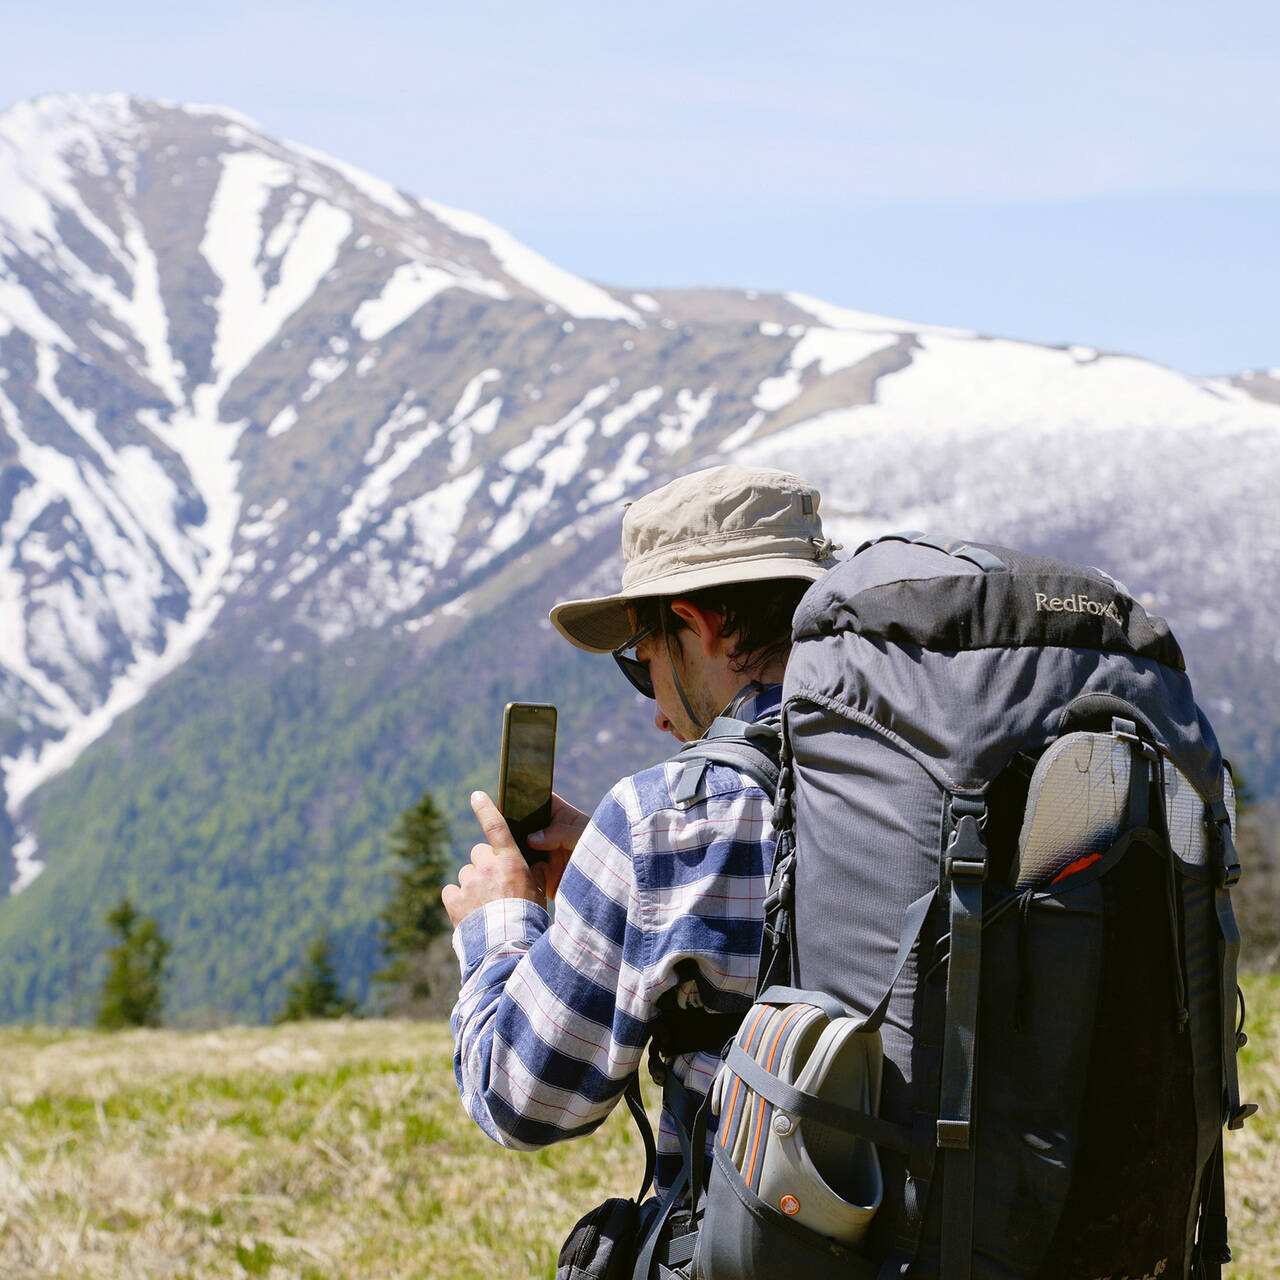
{"x":966,"y":654}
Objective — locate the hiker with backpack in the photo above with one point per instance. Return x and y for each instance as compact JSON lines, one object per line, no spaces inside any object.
{"x":995,"y":1017}
{"x":660,"y":909}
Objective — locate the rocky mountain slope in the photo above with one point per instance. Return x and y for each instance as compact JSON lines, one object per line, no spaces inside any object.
{"x":293,"y":464}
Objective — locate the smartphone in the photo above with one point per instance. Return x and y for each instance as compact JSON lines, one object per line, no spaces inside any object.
{"x":526,"y":771}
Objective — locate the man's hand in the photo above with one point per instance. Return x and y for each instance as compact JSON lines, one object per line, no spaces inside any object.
{"x":497,"y":869}
{"x":557,"y":840}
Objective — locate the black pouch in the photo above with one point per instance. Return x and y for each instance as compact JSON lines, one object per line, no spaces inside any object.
{"x":604,"y":1242}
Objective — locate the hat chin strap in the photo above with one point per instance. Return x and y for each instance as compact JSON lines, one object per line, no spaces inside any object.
{"x":675,"y":675}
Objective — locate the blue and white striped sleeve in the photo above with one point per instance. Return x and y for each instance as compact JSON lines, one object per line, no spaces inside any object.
{"x":552,"y":1019}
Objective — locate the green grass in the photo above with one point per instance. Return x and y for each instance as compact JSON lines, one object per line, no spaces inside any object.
{"x":330,"y":1150}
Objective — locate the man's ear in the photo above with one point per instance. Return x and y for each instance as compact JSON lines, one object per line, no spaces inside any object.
{"x":706,"y":624}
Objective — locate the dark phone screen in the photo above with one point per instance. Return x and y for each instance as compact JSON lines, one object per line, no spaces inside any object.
{"x":528,"y":760}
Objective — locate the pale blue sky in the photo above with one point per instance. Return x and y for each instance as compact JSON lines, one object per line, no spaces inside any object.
{"x":1098,"y":173}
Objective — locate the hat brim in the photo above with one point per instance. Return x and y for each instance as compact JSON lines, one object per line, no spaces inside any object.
{"x":602,"y":624}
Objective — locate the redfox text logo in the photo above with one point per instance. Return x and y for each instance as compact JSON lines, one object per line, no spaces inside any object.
{"x":1079,"y":603}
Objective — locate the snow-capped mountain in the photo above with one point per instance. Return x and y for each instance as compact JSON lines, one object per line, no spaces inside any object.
{"x":259,"y":408}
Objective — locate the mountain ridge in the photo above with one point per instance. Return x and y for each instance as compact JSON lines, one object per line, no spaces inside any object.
{"x":262,"y":414}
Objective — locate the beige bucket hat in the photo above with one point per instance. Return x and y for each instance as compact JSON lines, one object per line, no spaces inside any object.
{"x":707,"y":529}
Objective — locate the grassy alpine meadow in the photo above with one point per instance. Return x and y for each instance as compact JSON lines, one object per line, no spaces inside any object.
{"x":339,"y":1149}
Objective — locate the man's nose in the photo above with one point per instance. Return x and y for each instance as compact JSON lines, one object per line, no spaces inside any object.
{"x":664,"y":725}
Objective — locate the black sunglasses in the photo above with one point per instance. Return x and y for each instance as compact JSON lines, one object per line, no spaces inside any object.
{"x":637,"y":672}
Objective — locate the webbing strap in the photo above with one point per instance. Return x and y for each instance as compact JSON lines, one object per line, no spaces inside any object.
{"x":635,"y":1104}
{"x":912,"y":926}
{"x":676,"y":1099}
{"x":750,"y":748}
{"x":809,"y":1106}
{"x":1227,"y":868}
{"x":966,"y":867}
{"x":1211,"y":1250}
{"x":798,"y":995}
{"x":1139,"y":785}
{"x":644,"y":1260}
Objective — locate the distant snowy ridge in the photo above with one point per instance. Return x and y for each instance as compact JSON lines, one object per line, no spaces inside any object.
{"x":253,"y":397}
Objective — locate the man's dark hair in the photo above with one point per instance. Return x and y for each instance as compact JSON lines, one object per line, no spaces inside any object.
{"x":756,"y":616}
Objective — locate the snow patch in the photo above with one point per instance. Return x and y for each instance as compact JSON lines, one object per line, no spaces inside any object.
{"x":835,"y":317}
{"x":471,"y":394}
{"x":284,"y":421}
{"x":249,"y":314}
{"x":580,"y":298}
{"x":27,"y":864}
{"x":736,"y":439}
{"x":436,"y":517}
{"x":376,"y":486}
{"x":408,"y":289}
{"x":616,"y":419}
{"x":529,"y":450}
{"x":18,"y":308}
{"x":405,"y":414}
{"x":627,"y":472}
{"x":836,"y":349}
{"x":774,"y":393}
{"x":322,"y":371}
{"x":677,"y":429}
{"x":462,"y":435}
{"x":377,"y":190}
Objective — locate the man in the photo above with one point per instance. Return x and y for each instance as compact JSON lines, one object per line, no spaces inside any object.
{"x":552,"y":1018}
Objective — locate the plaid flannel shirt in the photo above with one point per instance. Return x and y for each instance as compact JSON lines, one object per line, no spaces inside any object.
{"x":552,"y":1017}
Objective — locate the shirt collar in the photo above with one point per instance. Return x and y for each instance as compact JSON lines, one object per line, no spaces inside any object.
{"x":755,"y":702}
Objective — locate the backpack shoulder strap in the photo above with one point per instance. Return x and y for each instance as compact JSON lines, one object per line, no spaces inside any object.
{"x":751,"y":748}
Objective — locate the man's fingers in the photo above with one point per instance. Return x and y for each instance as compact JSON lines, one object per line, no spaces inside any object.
{"x":554,"y":869}
{"x":493,"y":824}
{"x":564,"y":814}
{"x":563,"y":831}
{"x":454,"y":906}
{"x":557,"y":836}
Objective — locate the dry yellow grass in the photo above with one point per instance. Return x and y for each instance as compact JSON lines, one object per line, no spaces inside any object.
{"x":311,"y":1150}
{"x":340,"y":1150}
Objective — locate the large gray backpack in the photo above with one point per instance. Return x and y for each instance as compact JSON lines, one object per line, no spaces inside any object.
{"x":1006,"y":855}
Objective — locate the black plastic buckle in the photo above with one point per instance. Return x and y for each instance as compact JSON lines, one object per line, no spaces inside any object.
{"x":785,"y":893}
{"x":1241,"y":1114}
{"x":953,"y":1135}
{"x":967,"y":869}
{"x":969,"y":859}
{"x":1217,"y":1253}
{"x":1127,"y":731}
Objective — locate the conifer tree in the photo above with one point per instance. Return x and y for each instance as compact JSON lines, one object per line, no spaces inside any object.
{"x":414,"y":915}
{"x":315,"y":993}
{"x":133,"y":990}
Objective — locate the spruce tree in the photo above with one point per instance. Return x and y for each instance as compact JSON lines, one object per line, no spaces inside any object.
{"x":414,"y":915}
{"x":314,"y":993}
{"x":132,"y":992}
